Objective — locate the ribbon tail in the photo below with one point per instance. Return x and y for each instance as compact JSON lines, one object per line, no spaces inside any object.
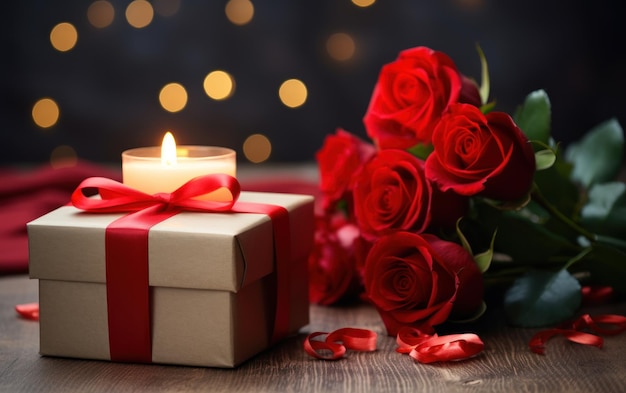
{"x":128,"y":291}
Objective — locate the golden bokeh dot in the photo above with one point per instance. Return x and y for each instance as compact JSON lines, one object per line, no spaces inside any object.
{"x":293,"y":93}
{"x":257,"y":148}
{"x":219,"y":85}
{"x":100,"y":13}
{"x":139,"y":13}
{"x":173,"y":97}
{"x":340,"y":46}
{"x":363,"y":3}
{"x":45,"y":113}
{"x":166,"y":7}
{"x":239,"y":12}
{"x":63,"y":36}
{"x":63,"y":157}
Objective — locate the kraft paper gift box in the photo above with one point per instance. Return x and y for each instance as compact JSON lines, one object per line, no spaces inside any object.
{"x":212,"y":282}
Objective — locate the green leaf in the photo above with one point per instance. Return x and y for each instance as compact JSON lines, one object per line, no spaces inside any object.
{"x":544,"y":159}
{"x":605,"y":210}
{"x":555,"y":185}
{"x":464,"y":242}
{"x":487,"y":107}
{"x":483,"y":260}
{"x":421,"y":150}
{"x":597,"y":157}
{"x":540,"y":298}
{"x":534,"y":117}
{"x":529,"y":242}
{"x":484,"y":83}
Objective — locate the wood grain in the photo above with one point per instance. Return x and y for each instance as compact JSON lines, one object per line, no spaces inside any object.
{"x":506,"y":365}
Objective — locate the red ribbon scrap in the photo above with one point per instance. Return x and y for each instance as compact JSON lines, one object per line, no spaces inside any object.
{"x":576,"y":331}
{"x":128,"y":296}
{"x":338,"y":342}
{"x":28,"y":311}
{"x":424,"y":348}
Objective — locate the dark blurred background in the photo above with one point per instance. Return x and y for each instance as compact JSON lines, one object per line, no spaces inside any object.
{"x":107,"y":86}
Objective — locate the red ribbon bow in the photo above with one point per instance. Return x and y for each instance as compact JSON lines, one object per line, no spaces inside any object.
{"x":117,"y":197}
{"x":128,"y":298}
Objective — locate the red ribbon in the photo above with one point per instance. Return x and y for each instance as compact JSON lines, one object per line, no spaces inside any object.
{"x":28,"y":311}
{"x":424,"y":348}
{"x":338,"y":342}
{"x":128,"y":299}
{"x":575,"y":331}
{"x":427,"y":348}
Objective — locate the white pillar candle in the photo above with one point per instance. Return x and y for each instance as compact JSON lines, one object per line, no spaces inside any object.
{"x":167,"y":167}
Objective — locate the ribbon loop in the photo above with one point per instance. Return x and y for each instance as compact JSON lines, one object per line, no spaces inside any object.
{"x":116,"y":197}
{"x":574,"y":331}
{"x":339,"y":341}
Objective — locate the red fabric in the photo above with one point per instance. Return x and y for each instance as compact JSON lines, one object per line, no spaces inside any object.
{"x":31,"y":193}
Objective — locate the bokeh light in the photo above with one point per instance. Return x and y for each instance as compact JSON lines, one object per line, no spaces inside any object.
{"x":363,"y":3}
{"x":63,"y":36}
{"x":239,"y":12}
{"x":63,"y":156}
{"x":340,"y":46}
{"x":100,"y":13}
{"x":219,"y":85}
{"x":139,"y":13}
{"x":45,"y":113}
{"x":173,"y":97}
{"x":292,"y":93}
{"x":166,"y":7}
{"x":257,"y":148}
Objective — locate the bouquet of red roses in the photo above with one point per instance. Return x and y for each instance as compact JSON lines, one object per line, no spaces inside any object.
{"x":452,"y":197}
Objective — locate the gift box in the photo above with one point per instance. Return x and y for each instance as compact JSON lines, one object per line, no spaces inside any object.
{"x":215,"y":290}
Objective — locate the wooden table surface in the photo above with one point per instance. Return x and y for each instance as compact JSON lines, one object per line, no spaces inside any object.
{"x":506,"y":365}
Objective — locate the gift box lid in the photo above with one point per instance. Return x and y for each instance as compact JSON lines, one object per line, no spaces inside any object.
{"x":218,"y":251}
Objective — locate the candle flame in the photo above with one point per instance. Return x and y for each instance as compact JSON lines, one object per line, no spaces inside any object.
{"x":168,"y":150}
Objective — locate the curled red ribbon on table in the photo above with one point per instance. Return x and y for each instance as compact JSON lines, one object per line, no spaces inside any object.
{"x":575,"y":331}
{"x":426,"y":348}
{"x":126,"y":238}
{"x":338,"y":342}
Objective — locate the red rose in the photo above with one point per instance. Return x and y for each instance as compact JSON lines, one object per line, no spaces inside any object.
{"x":392,"y":193}
{"x":420,"y":281}
{"x":332,"y":267}
{"x":410,"y":96}
{"x":339,"y":159}
{"x":476,"y":154}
